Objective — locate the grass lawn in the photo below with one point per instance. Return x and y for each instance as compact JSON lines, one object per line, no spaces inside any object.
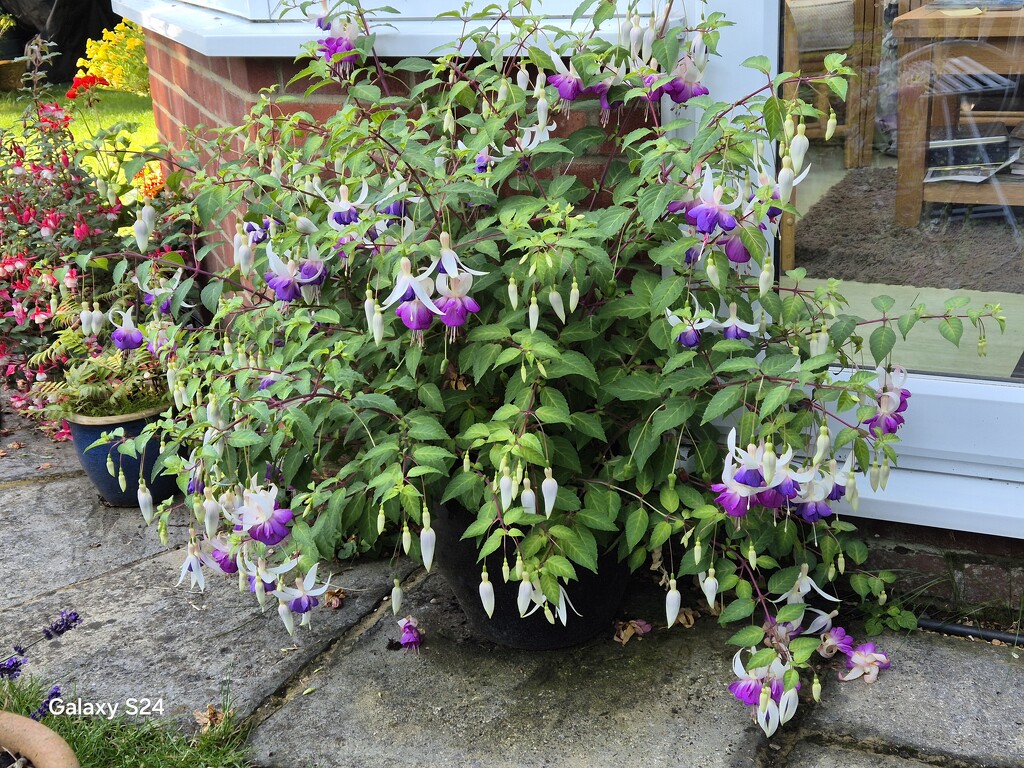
{"x":122,"y":743}
{"x":114,"y":106}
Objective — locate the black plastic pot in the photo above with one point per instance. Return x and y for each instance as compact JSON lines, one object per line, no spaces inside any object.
{"x":86,"y":430}
{"x":596,"y":596}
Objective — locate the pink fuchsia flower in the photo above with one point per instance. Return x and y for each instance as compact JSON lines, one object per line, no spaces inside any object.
{"x":48,"y":226}
{"x":412,"y":636}
{"x":866,"y":661}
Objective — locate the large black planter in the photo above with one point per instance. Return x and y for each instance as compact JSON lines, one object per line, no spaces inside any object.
{"x":86,"y":430}
{"x":596,"y":596}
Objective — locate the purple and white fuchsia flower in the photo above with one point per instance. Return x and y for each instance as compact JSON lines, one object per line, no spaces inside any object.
{"x":262,"y":519}
{"x":866,"y":661}
{"x":567,"y":82}
{"x":711,"y":213}
{"x":340,"y":41}
{"x":734,"y":328}
{"x":412,"y":635}
{"x":449,"y":263}
{"x":892,"y":402}
{"x":125,"y":335}
{"x":301,"y":599}
{"x":344,"y":211}
{"x":263,"y":578}
{"x":764,"y":691}
{"x":689,"y":325}
{"x":257,"y":233}
{"x":283,"y":277}
{"x":835,"y":640}
{"x":454,"y":303}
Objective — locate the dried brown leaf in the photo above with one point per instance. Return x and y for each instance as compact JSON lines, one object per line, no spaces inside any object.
{"x":211,"y":718}
{"x":335,"y":598}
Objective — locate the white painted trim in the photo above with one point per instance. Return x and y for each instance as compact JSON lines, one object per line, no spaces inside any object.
{"x":227,"y":33}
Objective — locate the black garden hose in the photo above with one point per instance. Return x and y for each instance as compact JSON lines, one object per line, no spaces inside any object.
{"x":1010,"y":638}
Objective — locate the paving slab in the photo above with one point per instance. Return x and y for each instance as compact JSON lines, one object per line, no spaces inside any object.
{"x":827,"y":756}
{"x":31,"y":455}
{"x":58,"y":532}
{"x":142,"y":637}
{"x":659,"y":701}
{"x":943,"y":698}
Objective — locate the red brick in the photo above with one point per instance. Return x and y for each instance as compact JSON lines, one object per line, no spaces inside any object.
{"x":252,"y":75}
{"x":996,"y":585}
{"x":319,"y":111}
{"x":219,"y":67}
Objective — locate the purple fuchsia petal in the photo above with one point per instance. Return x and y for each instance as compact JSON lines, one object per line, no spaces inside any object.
{"x":689,"y":338}
{"x":569,"y":88}
{"x":813,"y":511}
{"x":736,"y":251}
{"x":312,"y":272}
{"x":788,"y":488}
{"x":747,"y":691}
{"x":303,"y":604}
{"x":224,"y":560}
{"x":735,"y":332}
{"x":415,"y":315}
{"x":837,"y":493}
{"x":268,"y":586}
{"x":285,"y":287}
{"x":127,"y":338}
{"x":749,"y":476}
{"x":726,"y":221}
{"x":771,"y":498}
{"x":733,"y":503}
{"x":274,"y":530}
{"x":704,"y":217}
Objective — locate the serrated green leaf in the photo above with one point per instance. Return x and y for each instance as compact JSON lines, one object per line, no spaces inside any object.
{"x":747,"y":637}
{"x":952,"y":329}
{"x":736,"y":610}
{"x":636,"y":526}
{"x":724,"y":401}
{"x":881,"y":342}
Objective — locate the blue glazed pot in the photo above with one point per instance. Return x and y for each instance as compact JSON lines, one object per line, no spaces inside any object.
{"x":85,"y":430}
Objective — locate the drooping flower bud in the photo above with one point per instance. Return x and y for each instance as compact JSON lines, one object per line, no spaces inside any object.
{"x":769,"y":463}
{"x":822,"y":445}
{"x":519,"y":569}
{"x":85,"y":316}
{"x":841,"y":563}
{"x":672,"y":602}
{"x":211,"y":513}
{"x":381,"y":520}
{"x":285,"y":613}
{"x":786,"y":179}
{"x":244,"y":259}
{"x":574,"y":295}
{"x":549,"y":489}
{"x":752,"y":555}
{"x":466,"y":465}
{"x":534,"y":313}
{"x":713,"y":276}
{"x":883,"y":475}
{"x":830,"y":126}
{"x":368,"y":307}
{"x":406,"y":539}
{"x":122,"y":481}
{"x":709,"y":586}
{"x":698,"y":551}
{"x":377,"y":325}
{"x":555,"y":299}
{"x":525,"y":595}
{"x":142,"y":233}
{"x":882,"y":597}
{"x":529,"y":497}
{"x":766,"y":278}
{"x":505,"y":572}
{"x":513,"y":293}
{"x":98,"y":318}
{"x":145,"y":502}
{"x":789,"y":126}
{"x":148,"y":215}
{"x":507,"y":489}
{"x":522,"y":77}
{"x":874,"y":475}
{"x":396,"y":597}
{"x":427,"y":541}
{"x":816,"y":689}
{"x":486,"y":593}
{"x":798,"y":147}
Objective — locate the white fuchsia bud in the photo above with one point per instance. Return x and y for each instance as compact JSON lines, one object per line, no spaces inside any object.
{"x":822,"y":445}
{"x":396,"y":597}
{"x":505,"y":572}
{"x":486,"y":594}
{"x":852,"y":494}
{"x":574,"y":295}
{"x":549,"y":489}
{"x":883,"y":476}
{"x":53,"y":303}
{"x":764,"y":698}
{"x":122,"y":481}
{"x":882,"y":598}
{"x":142,"y":233}
{"x":305,"y":225}
{"x":875,"y":475}
{"x":555,"y":299}
{"x":525,"y":596}
{"x":709,"y":586}
{"x":769,"y":463}
{"x":698,"y":551}
{"x":377,"y":325}
{"x":507,"y":488}
{"x":244,"y":259}
{"x":713,"y":276}
{"x":381,"y":520}
{"x":285,"y":613}
{"x":798,"y":147}
{"x":672,"y":602}
{"x":534,"y":313}
{"x":816,"y":689}
{"x":427,"y":541}
{"x":522,"y":77}
{"x":830,"y":126}
{"x":406,"y":539}
{"x":841,"y":563}
{"x":519,"y":570}
{"x":789,"y":127}
{"x":368,"y":307}
{"x":786,"y":179}
{"x":85,"y":317}
{"x":766,"y":278}
{"x":529,"y":497}
{"x":499,"y":100}
{"x":752,"y":556}
{"x":98,"y":318}
{"x":145,"y":502}
{"x":513,"y":293}
{"x":148,"y":215}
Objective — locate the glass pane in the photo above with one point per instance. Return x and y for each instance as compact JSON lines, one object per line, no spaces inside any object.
{"x":919,"y":195}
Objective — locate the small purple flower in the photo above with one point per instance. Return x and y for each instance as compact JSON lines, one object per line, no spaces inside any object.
{"x":224,"y":560}
{"x":126,"y":336}
{"x":837,"y":493}
{"x":67,"y":621}
{"x":257,"y":233}
{"x":734,"y":503}
{"x":394,"y":209}
{"x":865,"y":661}
{"x":323,"y":23}
{"x":569,"y":87}
{"x":266,"y":383}
{"x":750,"y":476}
{"x":681,"y":92}
{"x":10,"y":669}
{"x":813,"y":511}
{"x":735,"y":250}
{"x":344,"y":217}
{"x":164,"y":307}
{"x":455,"y":305}
{"x":414,"y":314}
{"x":653,"y":94}
{"x":285,"y":287}
{"x":771,"y":498}
{"x":747,"y":690}
{"x":706,"y":216}
{"x":274,"y":529}
{"x":303,"y":604}
{"x":268,"y":586}
{"x":689,"y":337}
{"x":331,"y":47}
{"x":835,"y":640}
{"x":44,"y":708}
{"x":411,"y":638}
{"x":483,"y":162}
{"x":734,"y":332}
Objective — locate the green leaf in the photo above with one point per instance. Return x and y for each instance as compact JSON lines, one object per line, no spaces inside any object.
{"x":857,"y":550}
{"x":801,"y":648}
{"x":430,"y":396}
{"x":774,"y":399}
{"x":724,"y":401}
{"x":777,"y":365}
{"x":883,"y":303}
{"x":578,"y":544}
{"x":773,"y":111}
{"x":211,"y":294}
{"x":952,"y":329}
{"x":660,"y":534}
{"x":636,"y":526}
{"x":636,"y":386}
{"x":572,"y":363}
{"x":244,"y":438}
{"x":461,"y":484}
{"x":424,"y":427}
{"x":881,"y":342}
{"x":676,"y":411}
{"x":747,"y":637}
{"x":492,"y":543}
{"x":760,"y":63}
{"x":736,"y":610}
{"x":906,"y":322}
{"x":791,"y":613}
{"x":559,"y":566}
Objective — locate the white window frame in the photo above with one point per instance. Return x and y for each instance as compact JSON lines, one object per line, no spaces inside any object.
{"x":962,"y":459}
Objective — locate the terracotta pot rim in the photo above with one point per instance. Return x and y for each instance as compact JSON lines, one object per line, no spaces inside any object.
{"x":36,"y":742}
{"x":109,"y":421}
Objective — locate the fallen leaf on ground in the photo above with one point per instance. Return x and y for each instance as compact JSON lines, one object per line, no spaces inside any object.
{"x":687,"y":617}
{"x":46,"y":465}
{"x":211,"y":718}
{"x":16,"y":446}
{"x":335,"y":598}
{"x":626,"y":630}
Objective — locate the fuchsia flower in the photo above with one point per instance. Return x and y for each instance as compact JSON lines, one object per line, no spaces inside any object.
{"x":48,"y":226}
{"x":892,"y":401}
{"x":866,"y":661}
{"x":454,"y":303}
{"x":262,"y":519}
{"x":836,"y":639}
{"x":126,"y":336}
{"x":711,"y":212}
{"x":412,"y":637}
